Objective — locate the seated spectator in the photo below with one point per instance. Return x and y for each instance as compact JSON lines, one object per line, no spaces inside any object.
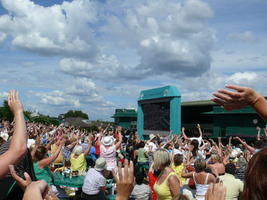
{"x":141,"y":191}
{"x":178,"y":166}
{"x":234,"y":187}
{"x":77,"y":158}
{"x":94,"y":185}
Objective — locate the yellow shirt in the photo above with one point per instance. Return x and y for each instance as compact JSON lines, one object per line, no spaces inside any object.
{"x":163,"y":190}
{"x":53,"y":151}
{"x":79,"y":163}
{"x":178,"y":171}
{"x":234,"y":186}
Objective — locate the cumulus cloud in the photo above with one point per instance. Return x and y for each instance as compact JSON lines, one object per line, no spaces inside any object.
{"x":55,"y":30}
{"x":247,"y":36}
{"x":176,"y":41}
{"x":57,"y":98}
{"x":2,"y":37}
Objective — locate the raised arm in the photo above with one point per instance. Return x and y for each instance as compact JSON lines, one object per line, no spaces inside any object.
{"x":118,"y":144}
{"x":184,"y":135}
{"x":52,"y":158}
{"x":18,"y":145}
{"x":248,"y":147}
{"x":241,"y":97}
{"x":87,"y":151}
{"x":199,"y":130}
{"x":259,"y":133}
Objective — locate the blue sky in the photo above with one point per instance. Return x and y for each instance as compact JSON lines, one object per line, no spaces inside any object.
{"x":97,"y":55}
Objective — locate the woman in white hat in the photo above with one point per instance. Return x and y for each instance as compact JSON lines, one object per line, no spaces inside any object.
{"x":94,"y":184}
{"x":108,"y":150}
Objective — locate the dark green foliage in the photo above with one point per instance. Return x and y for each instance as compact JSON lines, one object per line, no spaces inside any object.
{"x":76,"y":113}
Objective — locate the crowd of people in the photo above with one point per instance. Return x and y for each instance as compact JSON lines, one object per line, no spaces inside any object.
{"x":157,"y":168}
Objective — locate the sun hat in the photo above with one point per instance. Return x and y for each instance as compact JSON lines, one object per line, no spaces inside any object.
{"x":100,"y":164}
{"x":108,"y":140}
{"x":78,"y":150}
{"x":151,"y":136}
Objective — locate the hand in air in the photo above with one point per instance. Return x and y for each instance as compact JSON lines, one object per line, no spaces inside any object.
{"x":237,"y":99}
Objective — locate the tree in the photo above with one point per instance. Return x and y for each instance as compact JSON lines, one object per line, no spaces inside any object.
{"x":76,"y":113}
{"x":5,"y":112}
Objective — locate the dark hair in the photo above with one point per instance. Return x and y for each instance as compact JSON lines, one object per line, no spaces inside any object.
{"x":258,"y":144}
{"x":195,"y":149}
{"x":230,"y":168}
{"x":178,"y":159}
{"x":141,"y":144}
{"x":176,"y":146}
{"x":139,"y":178}
{"x":40,"y":153}
{"x":255,"y":177}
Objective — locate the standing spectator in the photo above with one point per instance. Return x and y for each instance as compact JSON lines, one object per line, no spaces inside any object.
{"x":108,"y":150}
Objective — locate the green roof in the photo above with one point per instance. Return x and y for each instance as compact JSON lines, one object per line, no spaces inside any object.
{"x":220,"y":110}
{"x":125,"y":113}
{"x":199,"y":103}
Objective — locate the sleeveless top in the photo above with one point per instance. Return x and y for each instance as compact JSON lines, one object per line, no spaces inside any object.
{"x":201,"y":189}
{"x":141,"y":155}
{"x":43,"y":173}
{"x":163,"y":190}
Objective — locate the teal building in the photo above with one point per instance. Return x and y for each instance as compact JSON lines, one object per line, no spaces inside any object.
{"x":159,"y":111}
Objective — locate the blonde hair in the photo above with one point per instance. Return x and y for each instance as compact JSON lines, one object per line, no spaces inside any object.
{"x":162,"y":159}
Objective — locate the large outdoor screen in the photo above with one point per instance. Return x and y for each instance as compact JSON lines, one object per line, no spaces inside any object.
{"x":156,"y":115}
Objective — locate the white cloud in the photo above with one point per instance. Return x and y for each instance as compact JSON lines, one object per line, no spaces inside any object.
{"x":4,"y":95}
{"x":246,"y":36}
{"x":174,"y":41}
{"x":57,"y":98}
{"x":2,"y":37}
{"x":59,"y":29}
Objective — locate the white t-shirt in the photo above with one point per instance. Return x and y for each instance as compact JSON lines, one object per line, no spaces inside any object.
{"x":199,"y":139}
{"x":141,"y":192}
{"x":93,"y":182}
{"x":152,"y":145}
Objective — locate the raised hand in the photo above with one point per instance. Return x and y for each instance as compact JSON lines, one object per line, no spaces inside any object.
{"x":14,"y":102}
{"x":241,"y":97}
{"x":124,"y":181}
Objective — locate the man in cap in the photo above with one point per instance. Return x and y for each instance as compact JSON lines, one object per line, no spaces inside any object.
{"x":94,"y":184}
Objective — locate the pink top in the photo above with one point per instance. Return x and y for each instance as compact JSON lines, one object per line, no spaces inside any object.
{"x":109,"y":154}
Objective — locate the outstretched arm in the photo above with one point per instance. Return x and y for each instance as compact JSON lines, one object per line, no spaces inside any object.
{"x":199,"y":130}
{"x":241,"y":97}
{"x":18,"y":145}
{"x":248,"y":147}
{"x":259,"y":133}
{"x":49,"y":160}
